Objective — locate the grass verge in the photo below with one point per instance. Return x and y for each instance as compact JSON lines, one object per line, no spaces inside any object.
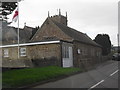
{"x":22,"y":77}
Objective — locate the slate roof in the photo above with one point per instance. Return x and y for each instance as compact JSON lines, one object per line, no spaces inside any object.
{"x":76,"y":35}
{"x":10,"y":36}
{"x":26,"y":33}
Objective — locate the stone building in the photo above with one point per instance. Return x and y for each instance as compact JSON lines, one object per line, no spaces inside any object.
{"x":54,"y":43}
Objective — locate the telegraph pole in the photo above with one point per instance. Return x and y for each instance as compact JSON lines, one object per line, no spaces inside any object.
{"x":118,"y":48}
{"x":118,"y":35}
{"x":118,"y":42}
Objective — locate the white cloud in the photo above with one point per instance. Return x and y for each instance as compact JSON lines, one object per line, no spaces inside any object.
{"x":88,"y":16}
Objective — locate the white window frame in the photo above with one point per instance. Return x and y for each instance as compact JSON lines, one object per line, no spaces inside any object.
{"x":79,"y":51}
{"x":6,"y":53}
{"x":22,"y":52}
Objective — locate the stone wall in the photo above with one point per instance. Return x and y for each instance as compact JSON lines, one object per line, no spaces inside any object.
{"x":36,"y":55}
{"x":50,"y":31}
{"x":84,"y":55}
{"x":87,"y":56}
{"x":45,"y":55}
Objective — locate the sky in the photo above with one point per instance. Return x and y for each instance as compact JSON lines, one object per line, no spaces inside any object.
{"x":88,"y":16}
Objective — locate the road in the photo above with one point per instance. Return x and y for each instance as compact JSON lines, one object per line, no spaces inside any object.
{"x":104,"y":76}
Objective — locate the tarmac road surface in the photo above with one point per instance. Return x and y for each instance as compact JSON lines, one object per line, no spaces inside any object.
{"x":104,"y":76}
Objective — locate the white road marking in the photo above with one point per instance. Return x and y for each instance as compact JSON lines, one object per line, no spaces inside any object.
{"x":96,"y":84}
{"x":114,"y":73}
{"x":102,"y":80}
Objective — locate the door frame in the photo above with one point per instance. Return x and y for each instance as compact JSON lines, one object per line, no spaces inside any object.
{"x":67,"y":62}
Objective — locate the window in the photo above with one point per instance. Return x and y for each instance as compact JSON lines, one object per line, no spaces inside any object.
{"x":98,"y":54}
{"x":22,"y":51}
{"x":65,"y":52}
{"x":79,"y":52}
{"x":6,"y":53}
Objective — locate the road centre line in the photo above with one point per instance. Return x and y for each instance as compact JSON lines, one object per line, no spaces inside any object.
{"x":96,"y":84}
{"x":102,"y":80}
{"x":114,"y":73}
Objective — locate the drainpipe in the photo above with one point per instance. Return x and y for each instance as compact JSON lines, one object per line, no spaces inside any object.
{"x":61,"y":54}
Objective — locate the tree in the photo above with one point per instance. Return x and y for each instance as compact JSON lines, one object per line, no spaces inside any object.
{"x":104,"y":41}
{"x":8,"y":8}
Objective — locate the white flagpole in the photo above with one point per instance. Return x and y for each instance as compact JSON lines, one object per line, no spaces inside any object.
{"x":18,"y":31}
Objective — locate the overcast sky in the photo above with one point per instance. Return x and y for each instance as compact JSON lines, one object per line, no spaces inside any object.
{"x":88,"y":16}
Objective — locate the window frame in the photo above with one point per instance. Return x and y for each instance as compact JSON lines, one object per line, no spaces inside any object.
{"x":23,"y":52}
{"x":6,"y":53}
{"x":79,"y":51}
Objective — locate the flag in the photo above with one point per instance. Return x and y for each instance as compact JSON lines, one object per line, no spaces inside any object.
{"x":15,"y":17}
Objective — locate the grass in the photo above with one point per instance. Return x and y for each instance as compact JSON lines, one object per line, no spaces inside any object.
{"x":22,"y":77}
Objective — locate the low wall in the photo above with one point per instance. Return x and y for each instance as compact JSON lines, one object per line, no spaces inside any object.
{"x":20,"y":63}
{"x":106,"y":58}
{"x":45,"y":62}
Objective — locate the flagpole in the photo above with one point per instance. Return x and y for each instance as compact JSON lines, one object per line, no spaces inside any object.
{"x":18,"y":31}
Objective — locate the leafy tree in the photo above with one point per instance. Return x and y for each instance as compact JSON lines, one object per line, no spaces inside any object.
{"x":8,"y":8}
{"x":104,"y":41}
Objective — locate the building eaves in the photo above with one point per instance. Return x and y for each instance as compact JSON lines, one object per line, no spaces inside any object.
{"x":29,"y":44}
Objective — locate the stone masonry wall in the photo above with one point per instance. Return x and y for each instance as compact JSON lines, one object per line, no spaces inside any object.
{"x":44,"y":55}
{"x":88,"y":56}
{"x":36,"y":55}
{"x":50,"y":31}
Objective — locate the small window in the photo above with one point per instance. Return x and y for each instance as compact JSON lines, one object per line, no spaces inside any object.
{"x":6,"y":53}
{"x":22,"y":51}
{"x":98,"y":54}
{"x":79,"y":52}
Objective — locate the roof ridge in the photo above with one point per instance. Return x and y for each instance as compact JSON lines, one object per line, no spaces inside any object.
{"x":68,"y":27}
{"x":75,"y":34}
{"x":38,"y":29}
{"x":28,"y":27}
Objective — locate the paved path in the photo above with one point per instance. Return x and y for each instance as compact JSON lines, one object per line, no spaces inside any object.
{"x":104,"y":76}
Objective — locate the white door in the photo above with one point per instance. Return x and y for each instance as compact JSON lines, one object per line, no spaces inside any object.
{"x":71,"y":56}
{"x":68,"y":62}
